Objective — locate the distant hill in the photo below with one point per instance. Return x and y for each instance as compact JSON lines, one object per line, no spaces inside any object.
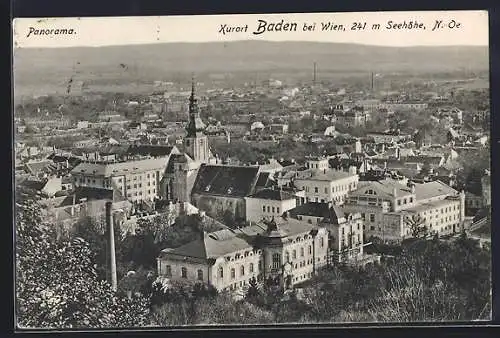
{"x":53,"y":67}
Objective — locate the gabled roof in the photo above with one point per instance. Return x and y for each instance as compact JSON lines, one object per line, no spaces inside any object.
{"x":382,"y":188}
{"x":233,"y":181}
{"x":177,"y":158}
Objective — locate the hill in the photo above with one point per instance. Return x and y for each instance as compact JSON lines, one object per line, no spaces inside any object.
{"x":46,"y":69}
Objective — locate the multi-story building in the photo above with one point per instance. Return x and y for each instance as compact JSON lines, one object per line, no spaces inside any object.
{"x":346,"y":234}
{"x":137,"y":180}
{"x":387,"y":207}
{"x":283,"y":251}
{"x":326,"y":185}
{"x":268,"y":203}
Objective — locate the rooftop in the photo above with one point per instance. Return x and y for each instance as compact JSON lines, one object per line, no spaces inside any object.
{"x":323,"y":175}
{"x":433,"y":189}
{"x":273,"y":194}
{"x":234,"y":181}
{"x":120,"y":168}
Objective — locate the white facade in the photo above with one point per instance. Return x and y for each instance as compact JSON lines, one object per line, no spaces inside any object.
{"x":258,"y":209}
{"x":326,"y":189}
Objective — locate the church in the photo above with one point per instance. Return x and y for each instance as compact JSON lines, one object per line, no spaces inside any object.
{"x":197,"y":176}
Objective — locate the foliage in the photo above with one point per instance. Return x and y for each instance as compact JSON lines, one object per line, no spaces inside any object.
{"x":56,"y":282}
{"x":416,"y":225}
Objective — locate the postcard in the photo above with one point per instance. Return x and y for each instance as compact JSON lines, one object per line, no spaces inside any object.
{"x":264,"y":169}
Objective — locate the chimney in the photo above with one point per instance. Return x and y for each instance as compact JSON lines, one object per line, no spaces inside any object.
{"x":394,"y":192}
{"x":111,"y":244}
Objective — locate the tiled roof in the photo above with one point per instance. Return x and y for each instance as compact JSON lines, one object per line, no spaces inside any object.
{"x":273,"y":194}
{"x":224,"y":180}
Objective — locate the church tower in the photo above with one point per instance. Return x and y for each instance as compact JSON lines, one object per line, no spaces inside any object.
{"x":196,"y":142}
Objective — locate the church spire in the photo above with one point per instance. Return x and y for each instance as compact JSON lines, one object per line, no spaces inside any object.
{"x":195,"y":124}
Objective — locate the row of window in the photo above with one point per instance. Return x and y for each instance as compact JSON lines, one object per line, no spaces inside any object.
{"x":184,"y":272}
{"x":271,"y":209}
{"x":129,"y":186}
{"x":140,"y":193}
{"x":405,"y":201}
{"x":220,"y":270}
{"x":338,"y":188}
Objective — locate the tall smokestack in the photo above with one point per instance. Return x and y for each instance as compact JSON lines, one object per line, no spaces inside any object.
{"x":111,"y":244}
{"x":372,"y":82}
{"x":314,"y":73}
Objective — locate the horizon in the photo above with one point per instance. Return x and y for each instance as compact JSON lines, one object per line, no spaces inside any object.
{"x":459,"y":28}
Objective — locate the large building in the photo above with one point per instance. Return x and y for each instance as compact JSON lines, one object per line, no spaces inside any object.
{"x":283,"y":251}
{"x":386,"y":207}
{"x":137,"y":180}
{"x":346,"y":234}
{"x":326,"y":185}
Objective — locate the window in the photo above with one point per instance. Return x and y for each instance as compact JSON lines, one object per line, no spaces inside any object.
{"x":268,"y":209}
{"x":411,"y":199}
{"x":399,"y":202}
{"x":184,"y":272}
{"x":273,"y":210}
{"x":372,"y":217}
{"x":221,"y":272}
{"x":263,"y":208}
{"x":242,"y":270}
{"x":294,"y":254}
{"x":233,"y":273}
{"x":278,"y":210}
{"x":200,"y":274}
{"x":310,"y":250}
{"x":301,"y":252}
{"x":316,"y":189}
{"x":169,"y":271}
{"x":363,"y":216}
{"x":321,"y":242}
{"x":276,"y":260}
{"x":287,"y":256}
{"x":251,"y":268}
{"x":326,"y":190}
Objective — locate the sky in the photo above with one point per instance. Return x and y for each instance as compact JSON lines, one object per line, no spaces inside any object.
{"x":106,"y":31}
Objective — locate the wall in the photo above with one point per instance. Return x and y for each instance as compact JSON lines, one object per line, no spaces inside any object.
{"x":217,"y":205}
{"x":255,"y":213}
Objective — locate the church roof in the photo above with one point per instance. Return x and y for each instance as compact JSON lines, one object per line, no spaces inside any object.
{"x":233,"y":181}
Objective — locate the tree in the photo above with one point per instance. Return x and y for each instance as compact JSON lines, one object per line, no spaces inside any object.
{"x":417,"y":227}
{"x":57,"y":284}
